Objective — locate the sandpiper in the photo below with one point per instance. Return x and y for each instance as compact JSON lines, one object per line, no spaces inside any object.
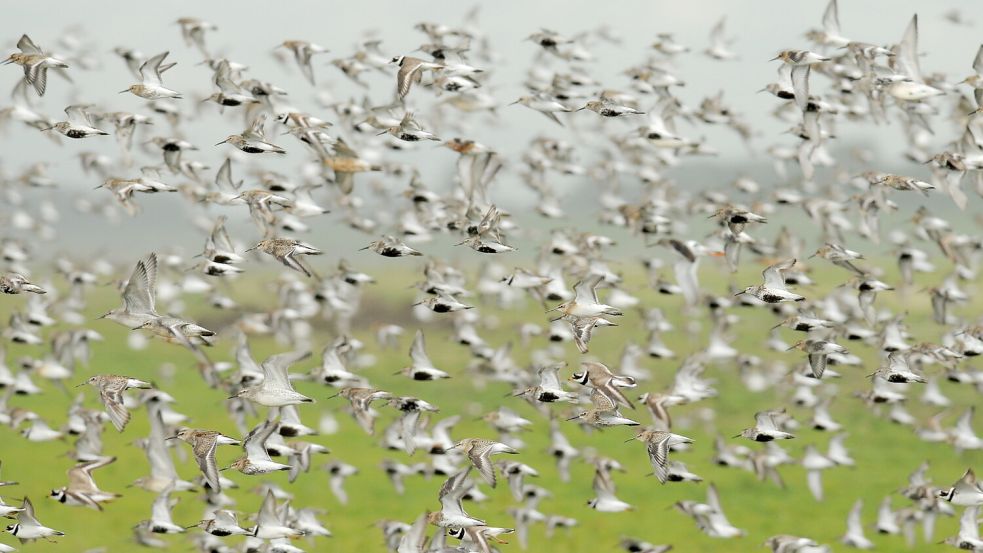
{"x":82,"y":489}
{"x":257,"y":460}
{"x":765,"y":428}
{"x":479,"y":452}
{"x":818,"y":351}
{"x":15,"y":283}
{"x":411,"y":72}
{"x":111,"y":388}
{"x":152,"y":87}
{"x":203,"y":444}
{"x":390,"y":246}
{"x":659,"y":443}
{"x":79,"y":125}
{"x":139,"y":295}
{"x":253,"y":139}
{"x":303,"y":51}
{"x":967,"y":491}
{"x":451,"y":513}
{"x":276,"y":390}
{"x":35,"y":63}
{"x":421,"y":367}
{"x":287,"y":251}
{"x":774,"y":289}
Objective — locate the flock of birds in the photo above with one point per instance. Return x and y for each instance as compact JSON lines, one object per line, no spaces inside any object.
{"x":837,"y":79}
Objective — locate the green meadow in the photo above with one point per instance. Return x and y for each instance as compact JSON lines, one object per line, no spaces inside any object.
{"x":885,"y":453}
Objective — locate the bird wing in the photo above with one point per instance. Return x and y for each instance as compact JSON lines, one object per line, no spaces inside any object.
{"x":907,"y":52}
{"x":817,"y":362}
{"x":111,"y":396}
{"x":161,"y":464}
{"x":601,"y":401}
{"x":773,"y":276}
{"x":800,"y":87}
{"x":658,"y":451}
{"x":763,"y":420}
{"x":452,"y":490}
{"x":160,"y":510}
{"x":138,"y":295}
{"x":267,"y":512}
{"x":978,"y":61}
{"x":831,"y":19}
{"x":26,"y":516}
{"x":150,"y":69}
{"x":205,"y":455}
{"x":549,"y":377}
{"x":968,"y":525}
{"x":418,"y":353}
{"x":255,"y":442}
{"x":586,"y":290}
{"x":815,"y":480}
{"x":275,"y":367}
{"x":853,"y":524}
{"x":480,"y":459}
{"x":27,"y":46}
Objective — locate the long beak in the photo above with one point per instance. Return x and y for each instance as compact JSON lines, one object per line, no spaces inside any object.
{"x":365,"y":248}
{"x":80,"y":385}
{"x":631,"y":439}
{"x":739,"y":293}
{"x":250,"y":249}
{"x":222,"y":142}
{"x":790,"y":349}
{"x":334,"y":396}
{"x":47,"y":129}
{"x":171,"y":438}
{"x":813,"y":255}
{"x":775,"y":58}
{"x":575,"y":418}
{"x":124,"y":91}
{"x":581,"y":109}
{"x":514,"y":103}
{"x":736,"y":436}
{"x":461,"y":243}
{"x":103,"y":316}
{"x":382,"y":133}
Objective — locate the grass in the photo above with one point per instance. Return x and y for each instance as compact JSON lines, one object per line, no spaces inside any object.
{"x":885,"y":452}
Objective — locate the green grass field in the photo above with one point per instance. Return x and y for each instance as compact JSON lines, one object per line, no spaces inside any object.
{"x":885,"y":452}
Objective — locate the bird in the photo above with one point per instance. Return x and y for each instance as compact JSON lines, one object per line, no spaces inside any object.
{"x":765,"y":429}
{"x":287,"y":251}
{"x":659,"y":443}
{"x":35,"y":62}
{"x":152,"y":87}
{"x":421,"y":367}
{"x":303,"y":51}
{"x":203,"y":444}
{"x":451,"y":513}
{"x":774,"y":289}
{"x":111,"y":388}
{"x":15,"y":283}
{"x":966,"y":491}
{"x":82,"y":489}
{"x":28,"y":528}
{"x":410,"y":72}
{"x":479,"y":452}
{"x":275,"y":390}
{"x":257,"y":460}
{"x":818,"y":352}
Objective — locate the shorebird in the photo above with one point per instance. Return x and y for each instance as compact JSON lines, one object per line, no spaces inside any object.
{"x":287,"y":251}
{"x":411,"y":72}
{"x":421,"y":367}
{"x":897,"y":369}
{"x":35,"y":62}
{"x":223,"y":523}
{"x":139,"y":295}
{"x":585,"y":302}
{"x":451,"y":513}
{"x":152,"y":87}
{"x":257,"y":460}
{"x":659,"y":443}
{"x":276,"y":390}
{"x":605,"y":500}
{"x":603,"y":412}
{"x":303,"y":51}
{"x":774,"y":289}
{"x":78,"y":125}
{"x":545,"y":104}
{"x":599,"y":376}
{"x":967,"y":491}
{"x":253,"y":139}
{"x":854,"y":536}
{"x":968,"y":537}
{"x":389,"y":246}
{"x":178,"y":331}
{"x":817,"y":352}
{"x":765,"y":429}
{"x":549,"y":389}
{"x":28,"y":528}
{"x":15,"y":283}
{"x":203,"y":444}
{"x":361,"y":402}
{"x":82,"y":489}
{"x":479,"y":452}
{"x":111,"y":388}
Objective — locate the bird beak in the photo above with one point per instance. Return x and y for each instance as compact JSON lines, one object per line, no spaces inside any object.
{"x":813,"y":255}
{"x":581,"y":109}
{"x":103,"y":316}
{"x":170,"y":438}
{"x":334,"y":396}
{"x":514,"y":103}
{"x":48,"y":129}
{"x":737,"y":436}
{"x":741,"y":292}
{"x":790,"y":348}
{"x":124,"y":91}
{"x":775,"y":58}
{"x":365,"y":248}
{"x":80,"y":385}
{"x":382,"y":133}
{"x":574,"y":418}
{"x":222,"y":142}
